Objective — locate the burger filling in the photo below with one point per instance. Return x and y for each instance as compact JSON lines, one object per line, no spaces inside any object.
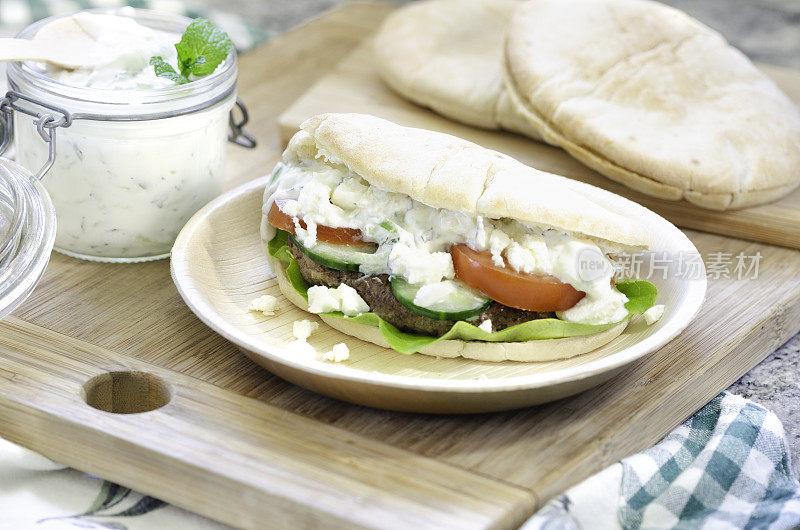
{"x":422,"y":268}
{"x":376,"y":291}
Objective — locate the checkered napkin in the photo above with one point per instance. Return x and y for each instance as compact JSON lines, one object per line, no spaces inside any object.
{"x":727,"y":467}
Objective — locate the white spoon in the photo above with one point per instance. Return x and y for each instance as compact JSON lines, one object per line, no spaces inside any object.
{"x":62,"y":43}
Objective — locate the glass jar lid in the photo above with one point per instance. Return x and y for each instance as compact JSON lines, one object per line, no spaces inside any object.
{"x":27,"y":232}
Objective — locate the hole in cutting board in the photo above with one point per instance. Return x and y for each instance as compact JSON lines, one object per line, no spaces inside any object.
{"x":126,"y":392}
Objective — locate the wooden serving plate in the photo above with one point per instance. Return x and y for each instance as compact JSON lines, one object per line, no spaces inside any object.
{"x":237,"y":444}
{"x":219,"y":267}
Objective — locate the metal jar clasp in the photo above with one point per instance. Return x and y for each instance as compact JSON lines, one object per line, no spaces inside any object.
{"x":46,"y":124}
{"x":237,"y":133}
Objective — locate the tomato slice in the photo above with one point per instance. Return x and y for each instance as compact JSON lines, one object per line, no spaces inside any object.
{"x":339,"y":236}
{"x":532,"y":292}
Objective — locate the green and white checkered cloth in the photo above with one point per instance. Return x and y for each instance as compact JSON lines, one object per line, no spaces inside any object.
{"x":727,"y":467}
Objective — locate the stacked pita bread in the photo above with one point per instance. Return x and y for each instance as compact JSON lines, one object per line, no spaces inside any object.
{"x":639,"y":91}
{"x":448,"y":55}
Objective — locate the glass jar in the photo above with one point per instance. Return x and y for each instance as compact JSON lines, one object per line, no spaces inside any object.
{"x":27,"y":232}
{"x":130,"y":166}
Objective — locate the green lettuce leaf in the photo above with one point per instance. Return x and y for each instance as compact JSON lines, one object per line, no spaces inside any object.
{"x":641,"y":296}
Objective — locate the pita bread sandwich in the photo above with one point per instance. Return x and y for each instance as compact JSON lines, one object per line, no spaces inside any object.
{"x":654,"y":99}
{"x":421,"y":241}
{"x":447,"y":55}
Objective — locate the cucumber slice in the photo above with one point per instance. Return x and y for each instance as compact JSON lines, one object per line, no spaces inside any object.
{"x":460,"y":303}
{"x":340,"y":257}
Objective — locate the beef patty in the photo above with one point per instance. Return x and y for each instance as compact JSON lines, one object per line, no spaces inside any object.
{"x":377,"y":293}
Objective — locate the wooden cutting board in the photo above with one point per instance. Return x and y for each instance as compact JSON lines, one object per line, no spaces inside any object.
{"x":241,"y":446}
{"x":354,"y":86}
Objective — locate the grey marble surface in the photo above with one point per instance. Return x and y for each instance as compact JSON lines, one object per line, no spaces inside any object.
{"x":767,"y":31}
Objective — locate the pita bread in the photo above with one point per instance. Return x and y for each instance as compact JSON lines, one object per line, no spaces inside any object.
{"x":448,"y":55}
{"x":443,"y":171}
{"x":654,"y":99}
{"x":530,"y":351}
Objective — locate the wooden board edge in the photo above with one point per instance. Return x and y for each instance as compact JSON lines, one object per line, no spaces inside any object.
{"x":238,"y":453}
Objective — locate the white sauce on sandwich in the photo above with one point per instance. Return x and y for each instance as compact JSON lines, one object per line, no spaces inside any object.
{"x":415,"y":239}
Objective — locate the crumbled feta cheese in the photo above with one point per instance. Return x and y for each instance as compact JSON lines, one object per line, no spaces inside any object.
{"x":519,"y":257}
{"x":314,"y":203}
{"x":537,"y":245}
{"x":486,"y":325}
{"x":498,"y":242}
{"x":529,"y":256}
{"x":432,"y":294}
{"x":652,"y":315}
{"x":344,"y":298}
{"x":307,"y":235}
{"x":339,"y":353}
{"x":266,"y":304}
{"x":302,"y":329}
{"x":322,"y":299}
{"x":315,"y":196}
{"x":350,"y":302}
{"x":417,"y":265}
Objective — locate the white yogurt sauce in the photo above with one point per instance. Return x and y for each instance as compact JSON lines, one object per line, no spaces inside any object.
{"x":415,"y":238}
{"x":130,"y":46}
{"x":124,"y":189}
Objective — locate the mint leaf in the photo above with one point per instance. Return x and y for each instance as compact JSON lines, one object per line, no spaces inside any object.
{"x":641,"y":296}
{"x":202,"y":48}
{"x":164,"y":69}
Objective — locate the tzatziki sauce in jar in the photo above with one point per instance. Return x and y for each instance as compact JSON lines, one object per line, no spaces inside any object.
{"x":138,"y":154}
